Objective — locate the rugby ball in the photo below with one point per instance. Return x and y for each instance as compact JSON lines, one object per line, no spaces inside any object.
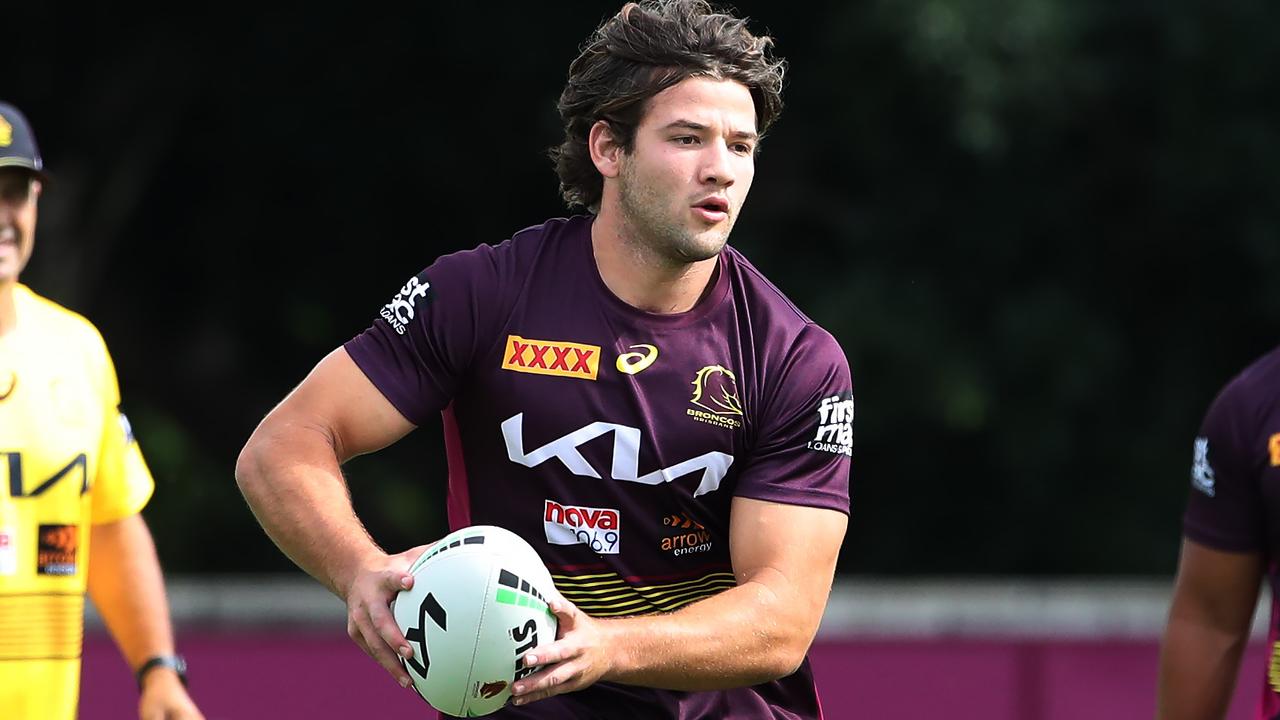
{"x":478,"y":602}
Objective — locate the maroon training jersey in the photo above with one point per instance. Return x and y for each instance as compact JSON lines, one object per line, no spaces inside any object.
{"x":1235,"y":480}
{"x":614,"y":440}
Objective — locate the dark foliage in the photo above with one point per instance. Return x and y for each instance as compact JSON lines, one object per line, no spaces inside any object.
{"x":1046,"y":232}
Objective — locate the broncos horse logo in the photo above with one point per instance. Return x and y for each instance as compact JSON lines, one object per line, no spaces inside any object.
{"x":716,"y":389}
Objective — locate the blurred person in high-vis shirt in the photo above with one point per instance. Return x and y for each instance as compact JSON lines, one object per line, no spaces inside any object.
{"x":72,"y":483}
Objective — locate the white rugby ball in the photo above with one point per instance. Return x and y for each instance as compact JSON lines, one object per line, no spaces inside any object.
{"x":478,"y":602}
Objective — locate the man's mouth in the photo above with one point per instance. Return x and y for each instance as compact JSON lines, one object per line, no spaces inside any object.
{"x":718,"y":204}
{"x":713,"y":209}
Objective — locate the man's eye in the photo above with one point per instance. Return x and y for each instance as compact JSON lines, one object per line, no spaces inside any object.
{"x":16,"y":194}
{"x":686,"y":140}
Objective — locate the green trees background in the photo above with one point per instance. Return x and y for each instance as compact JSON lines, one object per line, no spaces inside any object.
{"x":1045,"y":231}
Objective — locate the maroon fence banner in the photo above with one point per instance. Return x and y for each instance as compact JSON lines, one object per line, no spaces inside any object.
{"x":238,"y":675}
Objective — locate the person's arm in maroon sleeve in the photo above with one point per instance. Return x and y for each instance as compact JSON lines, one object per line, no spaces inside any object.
{"x":1209,"y":621}
{"x":289,"y":472}
{"x":1220,"y":567}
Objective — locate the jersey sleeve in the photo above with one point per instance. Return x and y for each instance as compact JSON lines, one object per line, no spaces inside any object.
{"x":1224,"y":510}
{"x":425,"y":338}
{"x":123,"y":483}
{"x":804,"y":446}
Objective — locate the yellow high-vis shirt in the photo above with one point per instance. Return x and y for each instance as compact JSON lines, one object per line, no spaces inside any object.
{"x":67,"y":460}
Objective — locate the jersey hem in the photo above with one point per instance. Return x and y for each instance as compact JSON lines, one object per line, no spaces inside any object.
{"x":356,"y":352}
{"x":1218,"y":542}
{"x":815,"y":499}
{"x":133,"y":508}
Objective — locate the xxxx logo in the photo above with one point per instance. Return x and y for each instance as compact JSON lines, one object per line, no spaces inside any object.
{"x":549,"y":357}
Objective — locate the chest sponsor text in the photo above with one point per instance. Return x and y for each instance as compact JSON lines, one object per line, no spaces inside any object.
{"x":598,"y":528}
{"x":404,"y":306}
{"x":624,"y":465}
{"x":835,"y":425}
{"x":551,"y":357}
{"x":682,"y":535}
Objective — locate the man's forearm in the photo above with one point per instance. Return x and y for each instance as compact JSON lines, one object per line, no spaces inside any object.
{"x":742,"y":636}
{"x":292,"y":482}
{"x":1198,"y":666}
{"x":127,"y":587}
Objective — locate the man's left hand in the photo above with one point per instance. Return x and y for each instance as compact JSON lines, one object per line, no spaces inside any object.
{"x":164,"y":697}
{"x":578,"y":658}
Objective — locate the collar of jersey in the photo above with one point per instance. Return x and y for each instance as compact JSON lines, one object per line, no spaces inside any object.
{"x":709,"y":301}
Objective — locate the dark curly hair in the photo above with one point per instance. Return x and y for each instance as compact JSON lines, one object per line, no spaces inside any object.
{"x":636,"y":54}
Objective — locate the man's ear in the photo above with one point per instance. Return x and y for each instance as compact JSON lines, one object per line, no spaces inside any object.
{"x":606,"y":152}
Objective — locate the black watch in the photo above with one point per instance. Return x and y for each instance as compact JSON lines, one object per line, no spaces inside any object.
{"x":175,"y":663}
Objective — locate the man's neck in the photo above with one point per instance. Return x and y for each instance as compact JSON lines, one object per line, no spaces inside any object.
{"x":640,"y":277}
{"x":8,"y":309}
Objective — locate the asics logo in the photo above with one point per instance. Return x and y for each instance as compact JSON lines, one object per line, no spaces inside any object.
{"x":634,"y":362}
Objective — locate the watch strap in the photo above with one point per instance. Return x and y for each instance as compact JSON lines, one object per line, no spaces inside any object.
{"x":175,"y":663}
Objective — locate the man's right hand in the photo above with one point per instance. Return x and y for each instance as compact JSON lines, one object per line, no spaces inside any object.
{"x":369,"y":620}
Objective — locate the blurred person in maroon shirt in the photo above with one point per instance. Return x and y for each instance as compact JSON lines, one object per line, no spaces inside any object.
{"x":1231,"y":541}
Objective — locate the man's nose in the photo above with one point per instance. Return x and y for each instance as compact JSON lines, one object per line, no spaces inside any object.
{"x":717,"y":166}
